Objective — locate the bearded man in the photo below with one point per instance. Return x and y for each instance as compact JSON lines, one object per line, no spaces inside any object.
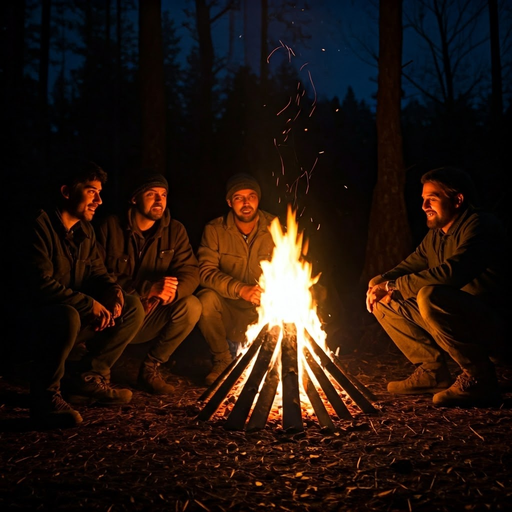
{"x":230,"y":252}
{"x":151,"y":256}
{"x":448,"y":299}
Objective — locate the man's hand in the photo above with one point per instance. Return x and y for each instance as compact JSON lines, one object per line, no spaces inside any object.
{"x":164,"y":289}
{"x":118,"y":309}
{"x":101,"y":316}
{"x":377,"y":293}
{"x":251,"y":294}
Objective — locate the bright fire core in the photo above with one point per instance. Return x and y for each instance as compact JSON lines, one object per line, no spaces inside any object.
{"x":286,"y":283}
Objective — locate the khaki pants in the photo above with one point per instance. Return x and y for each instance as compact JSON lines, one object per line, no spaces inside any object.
{"x":443,"y":320}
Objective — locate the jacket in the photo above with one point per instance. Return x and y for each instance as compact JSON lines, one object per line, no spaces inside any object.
{"x":137,"y":263}
{"x":66,"y":267}
{"x":226,"y":261}
{"x":471,"y":257}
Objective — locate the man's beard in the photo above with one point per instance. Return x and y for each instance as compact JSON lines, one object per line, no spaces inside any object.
{"x":436,"y":222}
{"x":153,"y":214}
{"x":247,"y":218}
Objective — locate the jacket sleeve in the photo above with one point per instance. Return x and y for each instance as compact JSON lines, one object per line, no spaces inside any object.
{"x":184,"y":264}
{"x":110,"y":237}
{"x":468,"y":256}
{"x":209,"y":266}
{"x":45,"y":285}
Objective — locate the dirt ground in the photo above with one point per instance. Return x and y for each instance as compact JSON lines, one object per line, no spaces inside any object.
{"x":153,"y":454}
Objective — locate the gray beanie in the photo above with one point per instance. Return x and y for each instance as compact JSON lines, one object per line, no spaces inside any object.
{"x":242,"y":181}
{"x":147,"y":179}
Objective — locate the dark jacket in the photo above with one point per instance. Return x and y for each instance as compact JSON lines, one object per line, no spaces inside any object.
{"x":226,"y":261}
{"x":66,"y":267}
{"x":472,"y":256}
{"x":138,"y":263}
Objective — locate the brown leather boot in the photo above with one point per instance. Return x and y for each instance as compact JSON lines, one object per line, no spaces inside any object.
{"x":151,"y":380}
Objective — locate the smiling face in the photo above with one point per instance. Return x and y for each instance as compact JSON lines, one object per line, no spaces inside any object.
{"x":82,"y":200}
{"x":441,"y":209}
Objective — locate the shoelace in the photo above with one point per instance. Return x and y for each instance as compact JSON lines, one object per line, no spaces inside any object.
{"x":59,"y":403}
{"x":464,"y":381}
{"x":99,"y":380}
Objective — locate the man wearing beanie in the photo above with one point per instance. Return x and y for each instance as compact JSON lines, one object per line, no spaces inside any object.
{"x":151,"y":255}
{"x":229,"y":254}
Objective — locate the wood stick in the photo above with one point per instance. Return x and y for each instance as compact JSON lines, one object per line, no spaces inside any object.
{"x":340,"y":377}
{"x":329,"y":390}
{"x":214,"y":403}
{"x":292,"y":414}
{"x":238,"y":415}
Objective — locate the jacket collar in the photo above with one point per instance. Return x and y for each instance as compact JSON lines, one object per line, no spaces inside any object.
{"x":160,"y":224}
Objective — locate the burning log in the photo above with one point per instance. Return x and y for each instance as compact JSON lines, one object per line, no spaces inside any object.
{"x":288,"y":354}
{"x":262,"y":384}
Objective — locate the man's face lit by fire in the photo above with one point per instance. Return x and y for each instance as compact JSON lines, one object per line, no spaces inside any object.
{"x":82,"y":200}
{"x":440,"y":208}
{"x":245,"y":205}
{"x":151,"y":203}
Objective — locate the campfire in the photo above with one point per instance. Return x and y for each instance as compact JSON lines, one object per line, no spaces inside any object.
{"x":286,"y":368}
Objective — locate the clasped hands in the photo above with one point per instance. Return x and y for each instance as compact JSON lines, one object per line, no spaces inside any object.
{"x":377,"y":293}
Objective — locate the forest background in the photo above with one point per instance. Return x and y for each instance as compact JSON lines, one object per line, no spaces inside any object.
{"x":201,"y":89}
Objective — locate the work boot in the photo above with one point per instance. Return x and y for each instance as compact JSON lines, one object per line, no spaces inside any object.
{"x":423,"y":380}
{"x":95,"y":388}
{"x":151,"y":380}
{"x":468,"y":391}
{"x":220,"y":363}
{"x":52,"y":411}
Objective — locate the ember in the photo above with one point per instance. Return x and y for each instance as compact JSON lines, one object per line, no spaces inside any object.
{"x":286,"y":356}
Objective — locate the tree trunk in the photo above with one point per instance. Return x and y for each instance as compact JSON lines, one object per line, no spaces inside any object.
{"x":264,"y":48}
{"x":152,"y":91}
{"x":44,"y":60}
{"x":206,"y":56}
{"x":11,"y":93}
{"x":497,"y":92}
{"x":389,"y":237}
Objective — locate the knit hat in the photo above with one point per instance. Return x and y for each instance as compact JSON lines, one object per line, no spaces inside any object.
{"x":242,"y":181}
{"x":146,"y":179}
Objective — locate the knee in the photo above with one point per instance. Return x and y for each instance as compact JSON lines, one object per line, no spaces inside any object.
{"x":429,"y":298}
{"x":210,"y":302}
{"x":133,"y":310}
{"x":193,"y":308}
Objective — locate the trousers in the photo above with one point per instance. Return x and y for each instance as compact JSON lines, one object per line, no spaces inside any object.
{"x":442,"y":320}
{"x":166,"y":326}
{"x":223,"y":319}
{"x":56,"y":328}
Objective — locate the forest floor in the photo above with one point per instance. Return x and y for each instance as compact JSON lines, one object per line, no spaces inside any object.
{"x":154,"y":454}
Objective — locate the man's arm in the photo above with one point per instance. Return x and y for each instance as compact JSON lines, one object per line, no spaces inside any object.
{"x":209,"y":266}
{"x":184,"y":265}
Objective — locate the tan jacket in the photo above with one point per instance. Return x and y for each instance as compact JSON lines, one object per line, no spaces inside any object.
{"x":226,"y":261}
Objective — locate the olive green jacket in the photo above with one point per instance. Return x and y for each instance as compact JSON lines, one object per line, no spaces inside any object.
{"x":137,"y":263}
{"x":471,"y":257}
{"x":65,"y":267}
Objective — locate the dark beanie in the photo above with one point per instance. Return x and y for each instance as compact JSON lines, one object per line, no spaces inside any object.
{"x":147,"y":179}
{"x":242,"y":181}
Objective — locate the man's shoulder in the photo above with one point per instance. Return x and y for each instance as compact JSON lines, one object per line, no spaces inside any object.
{"x":266,"y":216}
{"x":218,"y":222}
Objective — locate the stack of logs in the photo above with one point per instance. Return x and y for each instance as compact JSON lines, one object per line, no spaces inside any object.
{"x":275,"y":366}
